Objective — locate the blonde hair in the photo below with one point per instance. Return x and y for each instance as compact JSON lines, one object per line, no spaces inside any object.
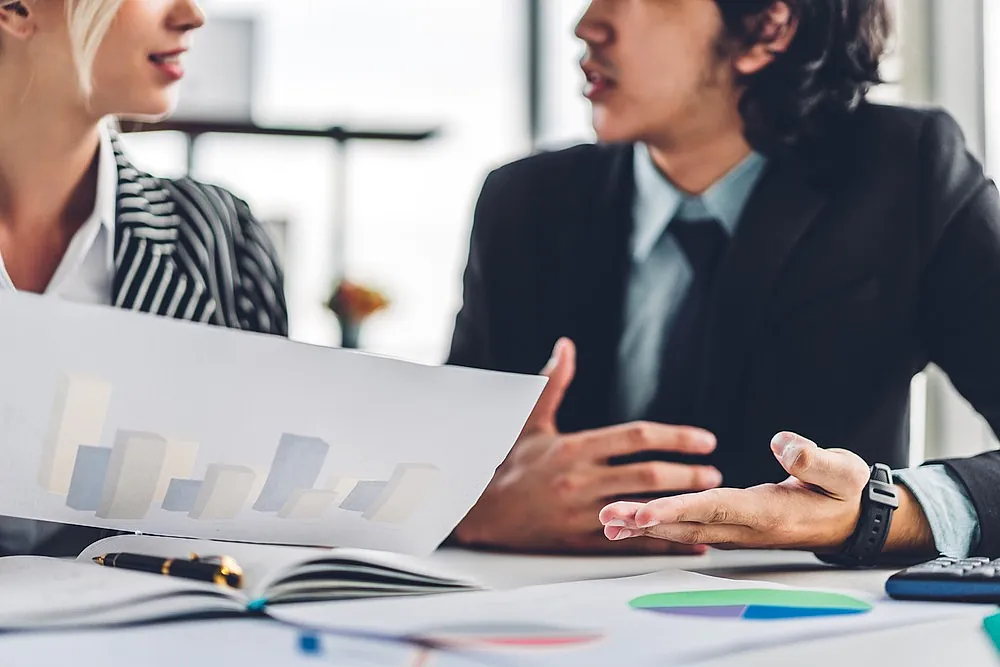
{"x":88,"y":22}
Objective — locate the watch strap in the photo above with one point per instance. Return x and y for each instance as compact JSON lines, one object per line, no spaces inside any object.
{"x":878,"y":501}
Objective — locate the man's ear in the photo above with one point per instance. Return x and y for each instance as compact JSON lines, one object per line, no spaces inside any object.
{"x":775,"y":31}
{"x":16,"y":19}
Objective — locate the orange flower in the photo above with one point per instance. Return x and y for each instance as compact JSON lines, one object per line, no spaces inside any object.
{"x":355,"y":302}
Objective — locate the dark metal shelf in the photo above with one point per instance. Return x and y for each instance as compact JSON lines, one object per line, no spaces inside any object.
{"x":337,"y":133}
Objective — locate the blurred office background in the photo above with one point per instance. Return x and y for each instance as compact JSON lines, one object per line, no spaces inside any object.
{"x":468,"y":85}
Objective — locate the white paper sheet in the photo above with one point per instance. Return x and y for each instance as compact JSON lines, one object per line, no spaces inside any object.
{"x":211,"y":644}
{"x":593,"y":622}
{"x":139,"y":423}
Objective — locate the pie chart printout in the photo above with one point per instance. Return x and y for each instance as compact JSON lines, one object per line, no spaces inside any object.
{"x":751,"y":604}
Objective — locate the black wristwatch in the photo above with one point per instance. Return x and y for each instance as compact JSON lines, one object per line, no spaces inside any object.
{"x":878,"y":501}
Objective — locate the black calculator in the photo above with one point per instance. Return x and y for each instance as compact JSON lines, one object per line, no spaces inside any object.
{"x":948,"y":580}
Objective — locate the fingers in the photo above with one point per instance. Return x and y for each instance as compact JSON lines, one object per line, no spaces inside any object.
{"x":838,"y":472}
{"x":746,"y":507}
{"x":655,"y":477}
{"x":723,"y":517}
{"x":637,"y":437}
{"x":598,"y":544}
{"x":560,"y":370}
{"x":620,"y":514}
{"x":691,"y":534}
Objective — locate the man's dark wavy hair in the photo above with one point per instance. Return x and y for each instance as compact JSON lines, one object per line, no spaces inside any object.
{"x":827,"y":70}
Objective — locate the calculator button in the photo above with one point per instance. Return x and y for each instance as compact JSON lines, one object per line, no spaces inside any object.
{"x":928,"y":574}
{"x":920,"y":569}
{"x":986,"y":572}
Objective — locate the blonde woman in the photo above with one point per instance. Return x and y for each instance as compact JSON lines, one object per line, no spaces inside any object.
{"x":78,"y":221}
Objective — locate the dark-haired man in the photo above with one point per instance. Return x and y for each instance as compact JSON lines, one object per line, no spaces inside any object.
{"x":751,"y":248}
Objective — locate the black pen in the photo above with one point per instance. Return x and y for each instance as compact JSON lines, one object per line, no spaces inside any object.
{"x":220,"y":570}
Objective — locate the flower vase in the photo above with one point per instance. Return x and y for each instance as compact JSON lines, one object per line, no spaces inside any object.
{"x":350,"y":333}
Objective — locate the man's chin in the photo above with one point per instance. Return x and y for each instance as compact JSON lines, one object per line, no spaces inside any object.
{"x":612,"y":133}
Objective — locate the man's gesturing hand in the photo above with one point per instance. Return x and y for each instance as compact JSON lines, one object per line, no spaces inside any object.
{"x":815,"y":509}
{"x":547,"y":494}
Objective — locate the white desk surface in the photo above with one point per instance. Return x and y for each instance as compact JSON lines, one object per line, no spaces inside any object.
{"x":961,"y":643}
{"x":953,"y":642}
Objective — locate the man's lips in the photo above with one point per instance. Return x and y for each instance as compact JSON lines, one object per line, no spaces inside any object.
{"x":598,"y":82}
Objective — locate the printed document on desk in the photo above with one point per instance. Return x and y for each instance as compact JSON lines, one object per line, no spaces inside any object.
{"x":145,"y":424}
{"x":214,"y":643}
{"x":667,"y":618}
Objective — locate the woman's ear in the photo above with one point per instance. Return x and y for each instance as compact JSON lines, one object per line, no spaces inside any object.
{"x":16,"y":19}
{"x":776,"y":30}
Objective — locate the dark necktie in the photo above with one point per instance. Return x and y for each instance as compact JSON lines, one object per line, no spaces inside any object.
{"x":704,"y":243}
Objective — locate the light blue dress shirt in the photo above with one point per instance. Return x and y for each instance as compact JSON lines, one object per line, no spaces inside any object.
{"x":659,"y":277}
{"x":660,"y":273}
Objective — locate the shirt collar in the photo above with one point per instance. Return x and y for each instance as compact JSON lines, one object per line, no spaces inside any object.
{"x":106,"y":201}
{"x":658,"y":201}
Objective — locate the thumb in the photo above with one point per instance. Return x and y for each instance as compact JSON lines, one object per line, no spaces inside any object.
{"x":838,"y":472}
{"x":559,"y":370}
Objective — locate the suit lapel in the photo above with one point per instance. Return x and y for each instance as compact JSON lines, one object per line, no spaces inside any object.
{"x":778,"y":214}
{"x":153,"y":273}
{"x":593,"y":263}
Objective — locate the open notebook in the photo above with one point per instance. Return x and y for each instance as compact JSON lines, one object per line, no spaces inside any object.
{"x":47,"y":593}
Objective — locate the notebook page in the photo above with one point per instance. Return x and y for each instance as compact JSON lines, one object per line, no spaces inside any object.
{"x":38,"y":591}
{"x":260,"y":563}
{"x":263,"y":564}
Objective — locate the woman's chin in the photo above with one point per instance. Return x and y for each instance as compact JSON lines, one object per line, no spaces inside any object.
{"x":150,"y":115}
{"x":155,"y":108}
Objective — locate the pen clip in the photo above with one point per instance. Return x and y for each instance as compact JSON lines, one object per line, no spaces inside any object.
{"x":230,"y":572}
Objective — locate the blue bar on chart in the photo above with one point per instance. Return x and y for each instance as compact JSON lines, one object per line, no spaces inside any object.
{"x":296,"y":465}
{"x":87,"y":482}
{"x":181,"y":495}
{"x":363,"y":496}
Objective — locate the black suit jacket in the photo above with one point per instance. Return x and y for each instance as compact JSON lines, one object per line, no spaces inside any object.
{"x":183,"y":250}
{"x":852,"y":268}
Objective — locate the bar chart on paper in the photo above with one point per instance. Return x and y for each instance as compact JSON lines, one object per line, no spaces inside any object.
{"x":751,"y":604}
{"x":142,"y":471}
